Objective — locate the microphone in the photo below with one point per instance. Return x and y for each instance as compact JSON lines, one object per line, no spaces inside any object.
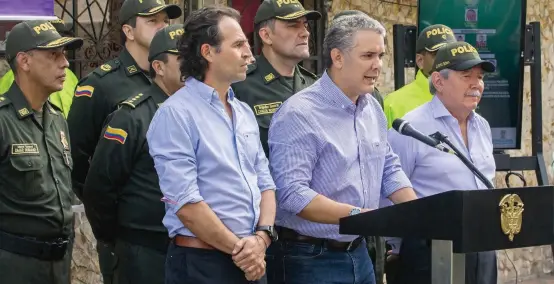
{"x":403,"y":127}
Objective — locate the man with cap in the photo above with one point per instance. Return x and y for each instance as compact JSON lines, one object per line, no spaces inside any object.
{"x":282,"y":27}
{"x":35,"y":160}
{"x":121,"y":193}
{"x":456,"y":81}
{"x":63,"y":98}
{"x":99,"y":93}
{"x":412,"y":95}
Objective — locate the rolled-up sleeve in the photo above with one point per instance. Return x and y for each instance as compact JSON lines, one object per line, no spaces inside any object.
{"x":293,"y":152}
{"x":171,"y":145}
{"x":265,"y":181}
{"x":394,"y":177}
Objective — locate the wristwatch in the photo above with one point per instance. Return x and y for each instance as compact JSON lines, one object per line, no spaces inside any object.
{"x":355,"y":211}
{"x":270,"y":230}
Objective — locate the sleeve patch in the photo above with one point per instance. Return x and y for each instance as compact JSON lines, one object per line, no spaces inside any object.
{"x":115,"y":134}
{"x":84,"y":91}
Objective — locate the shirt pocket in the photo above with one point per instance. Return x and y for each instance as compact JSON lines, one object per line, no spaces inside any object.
{"x":484,"y":162}
{"x":249,"y":145}
{"x":374,"y":165}
{"x":27,"y":177}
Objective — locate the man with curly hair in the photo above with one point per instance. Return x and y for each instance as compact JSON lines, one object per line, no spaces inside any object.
{"x":213,"y":172}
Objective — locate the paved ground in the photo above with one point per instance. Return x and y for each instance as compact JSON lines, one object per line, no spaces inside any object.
{"x":547,"y":279}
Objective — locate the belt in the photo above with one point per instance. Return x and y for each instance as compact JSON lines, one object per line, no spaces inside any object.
{"x":191,"y":242}
{"x":289,"y":235}
{"x":52,"y":249}
{"x":150,"y":239}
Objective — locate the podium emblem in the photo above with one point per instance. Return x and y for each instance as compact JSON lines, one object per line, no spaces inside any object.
{"x":511,"y":215}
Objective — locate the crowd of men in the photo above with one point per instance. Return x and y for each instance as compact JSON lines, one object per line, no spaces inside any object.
{"x":199,"y":163}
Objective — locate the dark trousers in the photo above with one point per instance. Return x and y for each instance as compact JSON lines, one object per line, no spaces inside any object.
{"x":19,"y":269}
{"x":107,"y":260}
{"x":138,"y":264}
{"x":202,"y":266}
{"x":414,"y":265}
{"x":304,"y":263}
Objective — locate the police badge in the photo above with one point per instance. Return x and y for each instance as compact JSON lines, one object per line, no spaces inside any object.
{"x":63,"y":139}
{"x":511,"y":215}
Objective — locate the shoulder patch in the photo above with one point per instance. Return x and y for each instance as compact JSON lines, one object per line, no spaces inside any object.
{"x":134,"y":101}
{"x":305,"y":71}
{"x":4,"y":101}
{"x":115,"y":134}
{"x":84,"y":91}
{"x":251,"y":68}
{"x":107,"y":67}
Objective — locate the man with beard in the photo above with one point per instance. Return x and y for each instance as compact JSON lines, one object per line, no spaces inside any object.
{"x":412,"y":95}
{"x":99,"y":93}
{"x":282,"y":27}
{"x":456,"y":81}
{"x":122,"y":193}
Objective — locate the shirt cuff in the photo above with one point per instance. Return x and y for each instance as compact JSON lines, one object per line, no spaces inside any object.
{"x":395,"y":182}
{"x":184,"y":199}
{"x":299,"y":200}
{"x":266,"y":184}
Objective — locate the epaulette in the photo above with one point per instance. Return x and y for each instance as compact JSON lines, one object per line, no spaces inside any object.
{"x":305,"y":71}
{"x":251,"y":68}
{"x":107,"y":67}
{"x":4,"y":101}
{"x":134,"y":101}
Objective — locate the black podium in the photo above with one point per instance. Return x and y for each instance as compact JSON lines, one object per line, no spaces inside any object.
{"x":460,"y":222}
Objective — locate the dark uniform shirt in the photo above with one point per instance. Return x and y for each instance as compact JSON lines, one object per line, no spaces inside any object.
{"x":264,"y":90}
{"x":96,"y":96}
{"x":121,"y":192}
{"x":35,"y":169}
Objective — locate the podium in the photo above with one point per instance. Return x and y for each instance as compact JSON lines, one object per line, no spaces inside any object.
{"x":459,"y":222}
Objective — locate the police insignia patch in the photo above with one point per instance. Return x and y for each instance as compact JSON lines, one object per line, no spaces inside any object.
{"x":84,"y":91}
{"x":106,"y":67}
{"x":23,"y":112}
{"x":269,"y":77}
{"x":63,"y":139}
{"x":115,"y":134}
{"x":132,"y":69}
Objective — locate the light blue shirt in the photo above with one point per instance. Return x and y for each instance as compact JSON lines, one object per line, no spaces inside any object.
{"x":200,"y":154}
{"x":322,"y":143}
{"x":432,"y":171}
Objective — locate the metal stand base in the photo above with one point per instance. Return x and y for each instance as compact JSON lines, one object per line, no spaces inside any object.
{"x":446,"y":267}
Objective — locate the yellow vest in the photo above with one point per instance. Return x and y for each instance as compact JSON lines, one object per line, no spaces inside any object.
{"x":407,"y":98}
{"x":62,"y":99}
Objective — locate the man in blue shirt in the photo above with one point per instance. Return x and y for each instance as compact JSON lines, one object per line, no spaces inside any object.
{"x":330,"y":159}
{"x":214,"y":176}
{"x":457,"y":84}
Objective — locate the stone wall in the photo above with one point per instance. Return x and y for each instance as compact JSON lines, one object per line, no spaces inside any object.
{"x":529,"y":262}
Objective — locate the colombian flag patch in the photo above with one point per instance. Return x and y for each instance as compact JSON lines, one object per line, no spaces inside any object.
{"x":84,"y":91}
{"x":116,"y":134}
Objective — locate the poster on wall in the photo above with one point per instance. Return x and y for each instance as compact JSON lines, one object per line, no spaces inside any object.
{"x":496,"y":30}
{"x":11,"y":10}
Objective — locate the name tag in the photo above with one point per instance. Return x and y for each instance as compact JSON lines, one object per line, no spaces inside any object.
{"x":267,"y":108}
{"x":20,"y":149}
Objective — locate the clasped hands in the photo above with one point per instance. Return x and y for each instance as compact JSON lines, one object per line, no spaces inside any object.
{"x":249,"y":256}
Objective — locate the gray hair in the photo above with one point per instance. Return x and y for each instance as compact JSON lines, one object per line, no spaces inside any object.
{"x":341,"y":34}
{"x":444,"y":73}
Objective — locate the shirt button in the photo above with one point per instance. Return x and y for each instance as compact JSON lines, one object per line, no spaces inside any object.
{"x":57,"y":181}
{"x":30,"y":164}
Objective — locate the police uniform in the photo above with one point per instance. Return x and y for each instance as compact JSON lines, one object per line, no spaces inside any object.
{"x":264,"y":90}
{"x":412,"y":95}
{"x":35,"y":175}
{"x":122,"y":194}
{"x":96,"y":96}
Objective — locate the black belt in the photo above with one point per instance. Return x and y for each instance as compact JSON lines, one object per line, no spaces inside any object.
{"x":155,"y":240}
{"x":52,"y":249}
{"x":289,"y":235}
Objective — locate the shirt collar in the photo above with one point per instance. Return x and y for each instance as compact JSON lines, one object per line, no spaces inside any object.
{"x":336,"y":97}
{"x":22,"y":107}
{"x":206,"y":92}
{"x":129,"y":63}
{"x":439,"y":110}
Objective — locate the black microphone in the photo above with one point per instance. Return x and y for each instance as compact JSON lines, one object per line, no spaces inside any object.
{"x":403,"y":127}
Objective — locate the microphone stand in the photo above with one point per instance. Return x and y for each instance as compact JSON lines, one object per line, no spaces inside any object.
{"x":443,"y":138}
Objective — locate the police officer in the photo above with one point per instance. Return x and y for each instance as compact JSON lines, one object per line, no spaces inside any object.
{"x":412,"y":95}
{"x":35,"y":160}
{"x":121,"y":193}
{"x":63,"y":98}
{"x":99,"y":93}
{"x":275,"y":76}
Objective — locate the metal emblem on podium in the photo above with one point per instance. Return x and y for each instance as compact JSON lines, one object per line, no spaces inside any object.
{"x":511,"y":215}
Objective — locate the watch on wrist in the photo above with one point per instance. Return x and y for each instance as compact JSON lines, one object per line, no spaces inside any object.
{"x":355,"y":211}
{"x":270,"y":230}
